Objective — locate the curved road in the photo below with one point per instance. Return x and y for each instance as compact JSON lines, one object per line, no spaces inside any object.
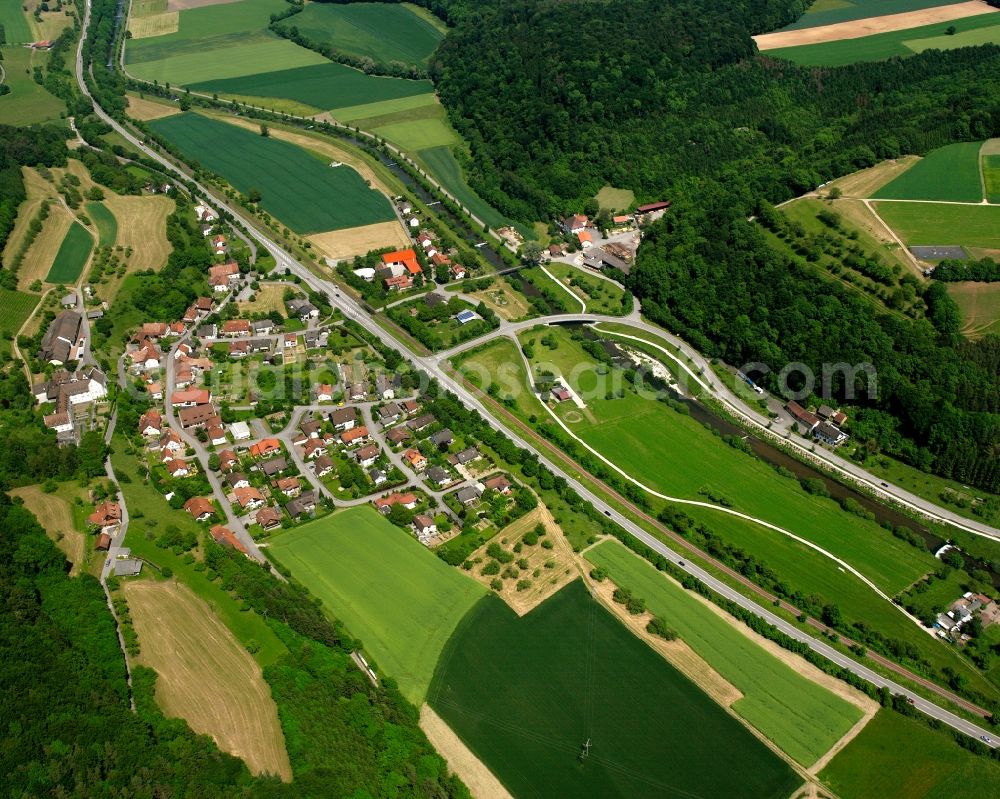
{"x":433,"y":366}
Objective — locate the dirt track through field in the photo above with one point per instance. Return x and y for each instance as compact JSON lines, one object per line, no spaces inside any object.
{"x":856,"y":29}
{"x":480,"y":780}
{"x":205,"y":676}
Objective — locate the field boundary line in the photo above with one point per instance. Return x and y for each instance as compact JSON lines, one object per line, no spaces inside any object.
{"x":729,"y":511}
{"x":558,"y":282}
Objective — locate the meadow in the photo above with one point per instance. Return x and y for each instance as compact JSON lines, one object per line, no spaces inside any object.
{"x":442,"y":163}
{"x":296,"y":187}
{"x":934,"y":224}
{"x":980,"y":307}
{"x":644,"y":437}
{"x":107,"y":225}
{"x":150,"y":515}
{"x":947,"y":173}
{"x":15,"y":308}
{"x":15,"y":22}
{"x":72,"y":255}
{"x":205,"y":676}
{"x":877,"y":47}
{"x":828,"y":12}
{"x":800,"y":717}
{"x":991,"y":176}
{"x":526,"y":693}
{"x":612,"y":199}
{"x":898,"y":758}
{"x":61,"y":517}
{"x":383,"y":32}
{"x":401,"y":600}
{"x":601,"y":296}
{"x":322,"y":85}
{"x":27,"y":103}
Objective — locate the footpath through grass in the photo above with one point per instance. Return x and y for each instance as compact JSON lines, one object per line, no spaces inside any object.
{"x":301,"y":190}
{"x":72,"y":256}
{"x":802,"y":718}
{"x":898,"y":758}
{"x":947,"y":173}
{"x":394,"y":594}
{"x":526,"y":693}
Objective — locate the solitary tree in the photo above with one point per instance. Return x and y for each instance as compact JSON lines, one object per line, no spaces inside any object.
{"x":265,"y":131}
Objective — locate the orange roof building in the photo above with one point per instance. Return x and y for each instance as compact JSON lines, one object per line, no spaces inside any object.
{"x":407,"y":258}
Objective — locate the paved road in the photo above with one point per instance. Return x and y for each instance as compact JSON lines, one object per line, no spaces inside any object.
{"x":433,"y":366}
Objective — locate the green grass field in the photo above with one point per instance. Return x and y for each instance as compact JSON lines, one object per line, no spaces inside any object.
{"x":947,"y":173}
{"x":441,"y":162}
{"x":15,"y":308}
{"x":601,"y":296}
{"x":323,"y":85}
{"x":803,"y":719}
{"x":980,"y":307}
{"x":249,"y":55}
{"x":107,"y":225}
{"x":300,"y":189}
{"x":613,"y":199}
{"x":645,"y":437}
{"x":991,"y":177}
{"x":933,"y":224}
{"x":27,"y":103}
{"x":970,"y":30}
{"x":829,"y":12}
{"x":15,"y":23}
{"x":898,"y":758}
{"x":72,"y":255}
{"x":526,"y":693}
{"x":393,"y":593}
{"x":383,"y":32}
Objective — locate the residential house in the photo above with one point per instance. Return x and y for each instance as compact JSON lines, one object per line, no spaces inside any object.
{"x":438,"y":476}
{"x":354,"y":435}
{"x":289,"y":486}
{"x":465,"y":456}
{"x":358,"y":392}
{"x":144,"y":358}
{"x":367,"y":455}
{"x":807,"y":421}
{"x":458,"y":272}
{"x":274,"y":466}
{"x":237,"y":480}
{"x":240,"y":431}
{"x":830,"y":434}
{"x":560,"y":393}
{"x":236,"y":328}
{"x":208,"y":331}
{"x":343,"y":418}
{"x":384,"y":504}
{"x":424,"y":526}
{"x":415,"y":459}
{"x":200,"y":508}
{"x":397,"y":436}
{"x":303,"y":309}
{"x":389,"y":413}
{"x":409,"y":406}
{"x":151,"y":423}
{"x":316,"y":339}
{"x":261,"y":327}
{"x":107,"y":517}
{"x":313,"y":448}
{"x":305,"y":504}
{"x":421,"y":422}
{"x":323,"y":465}
{"x":220,"y":245}
{"x":190,"y":398}
{"x":312,"y":427}
{"x":399,"y":283}
{"x":586,"y":240}
{"x":442,"y":438}
{"x":227,"y":538}
{"x":170,"y":442}
{"x":467,"y":495}
{"x":499,"y":484}
{"x":324,"y":393}
{"x":216,"y":432}
{"x":384,"y":388}
{"x":573,"y":225}
{"x":378,"y":477}
{"x":265,"y":447}
{"x":192,"y":418}
{"x":249,"y":498}
{"x":268,"y":518}
{"x":228,"y":460}
{"x":177,"y":468}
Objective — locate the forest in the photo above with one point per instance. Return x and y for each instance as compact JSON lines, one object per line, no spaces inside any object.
{"x":673,"y":102}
